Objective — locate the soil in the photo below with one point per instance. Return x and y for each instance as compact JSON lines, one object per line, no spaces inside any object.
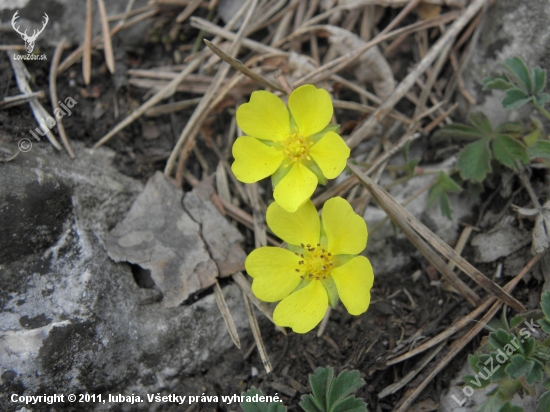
{"x":349,"y":342}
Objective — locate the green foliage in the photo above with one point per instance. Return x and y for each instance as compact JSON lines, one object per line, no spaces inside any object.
{"x":520,"y":84}
{"x":444,"y":185}
{"x":513,"y":360}
{"x":332,"y":394}
{"x":260,"y":406}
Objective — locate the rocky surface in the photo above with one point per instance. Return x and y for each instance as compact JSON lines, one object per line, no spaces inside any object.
{"x":512,"y":28}
{"x":72,"y":320}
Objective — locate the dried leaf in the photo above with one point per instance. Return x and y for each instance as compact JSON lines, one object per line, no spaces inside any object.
{"x":541,"y":231}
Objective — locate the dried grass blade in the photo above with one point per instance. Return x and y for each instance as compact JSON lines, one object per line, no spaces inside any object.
{"x":242,"y":68}
{"x":386,"y":201}
{"x":226,"y":315}
{"x":87,"y":56}
{"x":191,"y":7}
{"x":109,"y":56}
{"x":257,"y":335}
{"x":394,"y":387}
{"x":459,"y":344}
{"x":53,"y":96}
{"x":466,"y":320}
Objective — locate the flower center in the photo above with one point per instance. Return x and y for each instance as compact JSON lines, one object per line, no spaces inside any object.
{"x":316,"y":262}
{"x":296,"y":148}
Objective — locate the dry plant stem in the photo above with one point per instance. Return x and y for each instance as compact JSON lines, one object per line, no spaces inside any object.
{"x":402,"y":14}
{"x":53,"y":96}
{"x":394,"y":387}
{"x":11,"y":101}
{"x":191,"y":7}
{"x":168,"y":108}
{"x":462,"y":240}
{"x":77,"y":54}
{"x":259,"y":226}
{"x":525,"y":181}
{"x":324,"y":322}
{"x":363,"y":108}
{"x":37,"y":109}
{"x":244,"y":285}
{"x":226,"y":315}
{"x":7,"y":47}
{"x":209,"y":96}
{"x":9,"y":159}
{"x":366,"y":128}
{"x":437,"y":121}
{"x":242,"y":68}
{"x":109,"y":56}
{"x":257,"y":335}
{"x":389,"y":204}
{"x":87,"y":56}
{"x":343,"y":61}
{"x":165,"y":92}
{"x":459,"y":344}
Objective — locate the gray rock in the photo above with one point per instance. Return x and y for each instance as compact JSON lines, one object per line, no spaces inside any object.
{"x":72,"y":320}
{"x":502,"y":241}
{"x":512,"y":28}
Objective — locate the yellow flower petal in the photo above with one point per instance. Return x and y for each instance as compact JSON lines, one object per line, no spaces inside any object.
{"x":265,"y":117}
{"x":330,"y":153}
{"x":311,"y":108}
{"x":304,"y":309}
{"x":354,"y":281}
{"x":254,"y":160}
{"x":302,"y":226}
{"x":273,"y":270}
{"x":346,"y":231}
{"x":295,"y":188}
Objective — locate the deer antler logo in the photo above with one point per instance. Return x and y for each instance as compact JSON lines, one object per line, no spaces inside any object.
{"x":29,"y":40}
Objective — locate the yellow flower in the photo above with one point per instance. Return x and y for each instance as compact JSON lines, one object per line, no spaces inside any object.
{"x":320,"y":265}
{"x":295,"y":146}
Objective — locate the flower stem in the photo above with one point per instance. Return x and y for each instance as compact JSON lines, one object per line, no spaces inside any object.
{"x":543,"y":111}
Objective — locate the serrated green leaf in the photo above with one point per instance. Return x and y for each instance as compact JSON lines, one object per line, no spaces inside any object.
{"x":527,"y":346}
{"x":257,"y":406}
{"x":543,"y":404}
{"x":346,"y":383}
{"x":539,"y":80}
{"x":500,"y":339}
{"x":493,"y":404}
{"x":508,"y":407}
{"x":507,"y":150}
{"x":518,"y":68}
{"x":520,"y":367}
{"x":445,"y":206}
{"x":531,"y":138}
{"x":476,"y":382}
{"x":515,"y":98}
{"x":541,"y":150}
{"x":350,"y":404}
{"x":321,"y":381}
{"x":497,"y":83}
{"x":480,"y":122}
{"x":474,"y":162}
{"x":307,"y":403}
{"x":448,"y":184}
{"x":460,"y":131}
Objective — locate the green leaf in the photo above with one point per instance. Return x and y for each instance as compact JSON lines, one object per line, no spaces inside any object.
{"x":445,"y":206}
{"x":500,"y":339}
{"x":473,"y":360}
{"x":513,"y":128}
{"x":539,"y":80}
{"x":544,"y":325}
{"x":476,"y":382}
{"x":520,"y":367}
{"x":333,"y":394}
{"x":330,"y":128}
{"x":544,"y":402}
{"x":531,"y":138}
{"x":346,"y":383}
{"x":518,"y":68}
{"x":508,"y":407}
{"x":460,"y":131}
{"x":497,"y":83}
{"x":474,"y":162}
{"x":448,"y":184}
{"x":332,"y":292}
{"x":545,"y":304}
{"x":507,"y":150}
{"x":480,"y":122}
{"x":541,"y":150}
{"x":541,"y":99}
{"x":515,"y":321}
{"x":493,"y":404}
{"x":515,"y":98}
{"x":260,"y":406}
